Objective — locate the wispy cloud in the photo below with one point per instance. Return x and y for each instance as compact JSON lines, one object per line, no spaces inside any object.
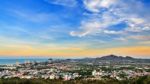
{"x":39,"y":17}
{"x":87,"y":28}
{"x":106,"y":13}
{"x":144,"y":43}
{"x":68,"y":3}
{"x":138,"y":38}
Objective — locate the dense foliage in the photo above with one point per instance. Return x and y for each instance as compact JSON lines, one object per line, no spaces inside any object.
{"x":139,"y":80}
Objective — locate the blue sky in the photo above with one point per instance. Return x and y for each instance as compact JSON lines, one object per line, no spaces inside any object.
{"x":68,"y":27}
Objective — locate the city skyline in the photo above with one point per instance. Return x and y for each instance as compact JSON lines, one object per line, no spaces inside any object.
{"x":75,"y":28}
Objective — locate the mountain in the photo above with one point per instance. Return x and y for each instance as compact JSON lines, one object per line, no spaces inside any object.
{"x":114,"y":57}
{"x":105,"y":59}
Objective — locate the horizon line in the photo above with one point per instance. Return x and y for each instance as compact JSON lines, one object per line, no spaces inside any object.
{"x":63,"y":57}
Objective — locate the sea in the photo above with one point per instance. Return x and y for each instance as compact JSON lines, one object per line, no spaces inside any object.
{"x":6,"y":61}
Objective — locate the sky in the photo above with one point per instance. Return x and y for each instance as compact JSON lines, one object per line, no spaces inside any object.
{"x":75,"y":28}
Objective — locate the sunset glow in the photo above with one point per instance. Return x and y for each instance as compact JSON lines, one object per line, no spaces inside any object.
{"x":74,"y":28}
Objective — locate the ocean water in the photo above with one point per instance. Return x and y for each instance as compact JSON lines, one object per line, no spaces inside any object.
{"x":4,"y":61}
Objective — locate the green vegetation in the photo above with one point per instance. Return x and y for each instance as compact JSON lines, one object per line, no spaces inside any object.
{"x":139,"y":80}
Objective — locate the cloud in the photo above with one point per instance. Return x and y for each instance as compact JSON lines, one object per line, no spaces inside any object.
{"x":137,"y":20}
{"x":121,"y":39}
{"x":68,"y":3}
{"x":96,"y":5}
{"x":32,"y":16}
{"x":145,"y":42}
{"x":112,"y":32}
{"x":107,"y":13}
{"x":139,"y":37}
{"x":97,"y":25}
{"x":87,"y":28}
